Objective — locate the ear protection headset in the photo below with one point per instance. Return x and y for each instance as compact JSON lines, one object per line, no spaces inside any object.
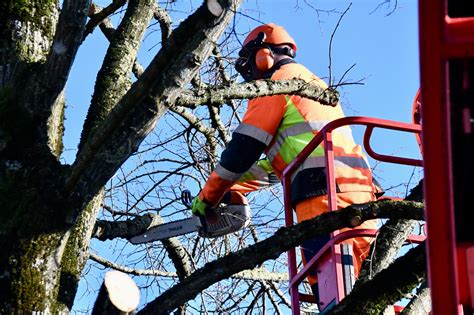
{"x":264,"y":58}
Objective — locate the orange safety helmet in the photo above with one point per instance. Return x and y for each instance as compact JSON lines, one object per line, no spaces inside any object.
{"x":259,"y":44}
{"x":274,"y":35}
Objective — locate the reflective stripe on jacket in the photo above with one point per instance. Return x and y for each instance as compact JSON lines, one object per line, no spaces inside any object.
{"x":282,"y":126}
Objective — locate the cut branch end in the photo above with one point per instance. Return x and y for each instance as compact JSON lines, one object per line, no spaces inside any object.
{"x":215,"y":7}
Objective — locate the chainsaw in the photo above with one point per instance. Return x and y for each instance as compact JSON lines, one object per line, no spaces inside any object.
{"x":224,"y":219}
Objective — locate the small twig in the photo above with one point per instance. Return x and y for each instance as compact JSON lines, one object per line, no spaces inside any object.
{"x":331,"y":40}
{"x":97,"y":15}
{"x":387,"y":2}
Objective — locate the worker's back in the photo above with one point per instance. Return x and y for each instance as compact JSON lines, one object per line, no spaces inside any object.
{"x":301,"y":119}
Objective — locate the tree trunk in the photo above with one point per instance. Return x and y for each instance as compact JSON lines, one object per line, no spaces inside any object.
{"x":36,"y":239}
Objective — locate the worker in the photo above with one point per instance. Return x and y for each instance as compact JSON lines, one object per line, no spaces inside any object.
{"x":281,"y":126}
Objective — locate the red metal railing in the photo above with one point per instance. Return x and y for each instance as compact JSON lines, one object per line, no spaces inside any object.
{"x":326,"y":135}
{"x":443,"y":39}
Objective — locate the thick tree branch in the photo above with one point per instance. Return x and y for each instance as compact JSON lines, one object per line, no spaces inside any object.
{"x":113,"y":79}
{"x":136,"y":114}
{"x":67,"y":38}
{"x":63,"y":51}
{"x":416,"y":193}
{"x":179,"y":256}
{"x":272,"y":247}
{"x":105,"y":25}
{"x":41,"y":85}
{"x":108,"y":230}
{"x":218,"y":95}
{"x":391,"y":237}
{"x":404,"y":275}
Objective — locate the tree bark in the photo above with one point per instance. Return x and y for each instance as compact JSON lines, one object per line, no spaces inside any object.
{"x":421,"y":303}
{"x":113,"y":79}
{"x":404,"y":275}
{"x":392,"y":235}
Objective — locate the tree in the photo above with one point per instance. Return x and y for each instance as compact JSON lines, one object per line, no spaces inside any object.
{"x":50,"y":210}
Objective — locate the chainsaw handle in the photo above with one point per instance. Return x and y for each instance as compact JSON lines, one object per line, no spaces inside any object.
{"x":211,"y":215}
{"x":187,"y":198}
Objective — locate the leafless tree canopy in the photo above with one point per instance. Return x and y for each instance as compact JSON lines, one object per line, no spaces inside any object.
{"x":151,"y":131}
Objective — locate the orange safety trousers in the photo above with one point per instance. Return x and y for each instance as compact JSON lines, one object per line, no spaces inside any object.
{"x":312,"y":207}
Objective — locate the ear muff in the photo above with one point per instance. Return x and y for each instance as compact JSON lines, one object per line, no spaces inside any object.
{"x":264,"y":59}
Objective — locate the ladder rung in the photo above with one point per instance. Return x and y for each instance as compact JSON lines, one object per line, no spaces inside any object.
{"x":308,"y":298}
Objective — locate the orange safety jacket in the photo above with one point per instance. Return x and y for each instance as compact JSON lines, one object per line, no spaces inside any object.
{"x":281,"y":126}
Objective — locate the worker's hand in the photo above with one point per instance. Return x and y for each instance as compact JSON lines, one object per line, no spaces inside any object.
{"x":199,"y":206}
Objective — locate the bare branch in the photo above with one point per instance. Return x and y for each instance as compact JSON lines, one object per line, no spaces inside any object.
{"x":268,"y":291}
{"x":165,"y":23}
{"x":196,"y":123}
{"x":99,"y":16}
{"x":387,"y":3}
{"x":330,"y":43}
{"x":258,"y":274}
{"x":217,"y":124}
{"x":132,"y":271}
{"x":217,"y":95}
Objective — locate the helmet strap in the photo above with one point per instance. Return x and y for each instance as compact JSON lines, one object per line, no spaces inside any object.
{"x":287,"y":51}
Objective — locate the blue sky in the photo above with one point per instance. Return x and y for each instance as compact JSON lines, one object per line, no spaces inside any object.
{"x":384,"y":49}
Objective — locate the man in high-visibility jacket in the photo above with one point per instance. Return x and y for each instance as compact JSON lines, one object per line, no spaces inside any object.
{"x":281,"y":126}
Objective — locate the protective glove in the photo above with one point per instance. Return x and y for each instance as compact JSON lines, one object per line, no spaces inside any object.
{"x":199,"y":207}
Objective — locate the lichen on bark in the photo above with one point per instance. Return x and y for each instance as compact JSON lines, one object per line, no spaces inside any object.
{"x":76,"y":253}
{"x":113,"y":79}
{"x":28,"y":273}
{"x":27,"y":29}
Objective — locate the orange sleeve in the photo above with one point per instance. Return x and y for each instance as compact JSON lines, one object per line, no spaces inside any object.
{"x":214,"y":189}
{"x":260,"y":122}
